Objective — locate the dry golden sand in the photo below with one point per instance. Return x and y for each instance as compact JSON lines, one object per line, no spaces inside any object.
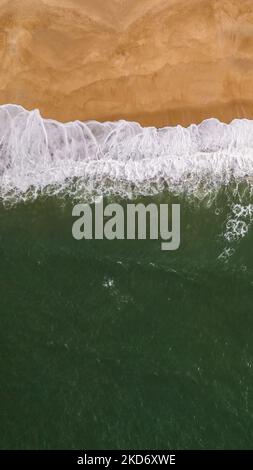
{"x":156,"y":61}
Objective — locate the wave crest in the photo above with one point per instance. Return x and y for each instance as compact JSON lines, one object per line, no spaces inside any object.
{"x":120,"y":157}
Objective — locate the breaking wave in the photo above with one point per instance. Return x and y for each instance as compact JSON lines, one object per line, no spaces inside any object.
{"x":43,"y":156}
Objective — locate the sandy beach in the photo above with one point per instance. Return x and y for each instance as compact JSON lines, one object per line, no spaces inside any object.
{"x":155,"y":61}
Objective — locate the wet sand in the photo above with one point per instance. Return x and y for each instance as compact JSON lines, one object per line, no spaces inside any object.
{"x":160,"y":62}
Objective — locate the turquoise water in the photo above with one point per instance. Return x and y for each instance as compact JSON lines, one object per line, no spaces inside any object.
{"x":116,"y":344}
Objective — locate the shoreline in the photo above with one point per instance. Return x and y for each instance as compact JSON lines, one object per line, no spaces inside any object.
{"x":171,"y":117}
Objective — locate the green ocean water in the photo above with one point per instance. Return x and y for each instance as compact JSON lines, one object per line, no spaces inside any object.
{"x":119,"y":345}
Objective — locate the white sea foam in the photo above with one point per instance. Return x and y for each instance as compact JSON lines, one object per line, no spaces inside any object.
{"x":41,"y":155}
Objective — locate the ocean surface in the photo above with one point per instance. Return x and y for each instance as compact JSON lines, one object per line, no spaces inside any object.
{"x":117,"y":344}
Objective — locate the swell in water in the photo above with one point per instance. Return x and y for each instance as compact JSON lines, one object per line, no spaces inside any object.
{"x":81,"y":159}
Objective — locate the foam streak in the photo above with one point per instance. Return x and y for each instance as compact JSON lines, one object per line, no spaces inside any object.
{"x":120,"y":157}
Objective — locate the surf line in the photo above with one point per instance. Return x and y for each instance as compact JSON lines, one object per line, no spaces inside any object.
{"x":127,"y":221}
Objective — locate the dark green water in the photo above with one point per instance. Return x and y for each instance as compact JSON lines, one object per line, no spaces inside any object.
{"x":120,"y":345}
